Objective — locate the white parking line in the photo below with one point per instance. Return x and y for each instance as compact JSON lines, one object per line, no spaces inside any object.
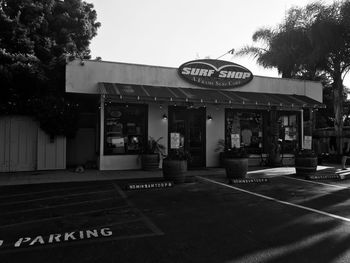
{"x":314,"y":182}
{"x":54,"y":197}
{"x":65,"y":205}
{"x":53,"y":218}
{"x":144,"y":218}
{"x":278,"y":201}
{"x":7,"y":196}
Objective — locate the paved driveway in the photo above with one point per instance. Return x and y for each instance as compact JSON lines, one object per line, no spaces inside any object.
{"x":284,"y":220}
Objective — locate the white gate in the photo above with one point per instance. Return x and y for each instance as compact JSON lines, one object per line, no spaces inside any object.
{"x":18,"y":144}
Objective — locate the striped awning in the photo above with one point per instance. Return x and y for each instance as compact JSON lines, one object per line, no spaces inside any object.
{"x":209,"y":96}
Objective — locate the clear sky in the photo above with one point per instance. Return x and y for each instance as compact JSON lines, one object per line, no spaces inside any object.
{"x":171,"y":32}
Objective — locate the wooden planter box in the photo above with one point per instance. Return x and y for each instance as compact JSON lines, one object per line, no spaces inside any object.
{"x":175,"y":170}
{"x":305,"y":166}
{"x":150,"y":162}
{"x":236,"y":167}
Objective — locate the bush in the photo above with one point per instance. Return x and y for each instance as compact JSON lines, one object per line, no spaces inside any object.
{"x":305,"y":153}
{"x":153,"y":146}
{"x":178,"y":154}
{"x":235,"y":153}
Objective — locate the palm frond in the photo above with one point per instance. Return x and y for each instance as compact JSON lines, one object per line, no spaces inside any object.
{"x":251,"y":51}
{"x":263,"y":34}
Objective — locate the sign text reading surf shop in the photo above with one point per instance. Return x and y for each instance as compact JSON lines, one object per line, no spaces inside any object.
{"x":212,"y":73}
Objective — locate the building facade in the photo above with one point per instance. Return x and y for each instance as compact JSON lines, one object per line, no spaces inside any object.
{"x":199,"y":107}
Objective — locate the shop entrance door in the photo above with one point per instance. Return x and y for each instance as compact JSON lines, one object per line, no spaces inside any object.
{"x":190,"y":124}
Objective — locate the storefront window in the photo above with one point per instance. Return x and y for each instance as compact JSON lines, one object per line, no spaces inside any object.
{"x":125,"y":128}
{"x":244,"y":129}
{"x":288,"y":133}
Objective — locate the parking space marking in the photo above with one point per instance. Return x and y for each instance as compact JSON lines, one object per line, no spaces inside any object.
{"x":277,"y":200}
{"x":57,"y":206}
{"x":145,"y":219}
{"x":123,"y":220}
{"x":6,"y":196}
{"x":314,"y":182}
{"x":10,"y":248}
{"x":55,"y":197}
{"x":61,"y":217}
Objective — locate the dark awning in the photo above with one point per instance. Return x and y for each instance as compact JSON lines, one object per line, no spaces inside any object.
{"x":209,"y":96}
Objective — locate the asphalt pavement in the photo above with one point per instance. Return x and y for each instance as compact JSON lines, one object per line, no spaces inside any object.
{"x":284,"y":219}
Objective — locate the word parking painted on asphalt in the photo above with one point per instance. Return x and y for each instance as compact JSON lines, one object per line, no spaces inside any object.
{"x":58,"y":238}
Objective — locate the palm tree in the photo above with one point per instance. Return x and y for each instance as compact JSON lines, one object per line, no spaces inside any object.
{"x":312,"y":43}
{"x":330,"y":34}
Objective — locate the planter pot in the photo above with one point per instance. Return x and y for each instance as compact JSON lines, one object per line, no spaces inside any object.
{"x":222,"y":159}
{"x":236,"y":167}
{"x":150,"y":162}
{"x":305,"y":166}
{"x":275,"y":160}
{"x":175,"y":170}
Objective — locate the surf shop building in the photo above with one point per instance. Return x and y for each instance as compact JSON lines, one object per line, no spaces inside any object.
{"x":200,"y":106}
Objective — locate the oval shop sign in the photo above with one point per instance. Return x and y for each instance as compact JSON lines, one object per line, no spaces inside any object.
{"x":212,"y":73}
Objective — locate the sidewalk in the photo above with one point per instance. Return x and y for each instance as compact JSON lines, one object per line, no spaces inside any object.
{"x":60,"y":176}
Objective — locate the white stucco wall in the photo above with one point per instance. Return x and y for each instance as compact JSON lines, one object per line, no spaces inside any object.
{"x":83,"y":77}
{"x":119,"y":162}
{"x":215,"y":132}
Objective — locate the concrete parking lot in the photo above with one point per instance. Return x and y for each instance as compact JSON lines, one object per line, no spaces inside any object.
{"x":286,"y":219}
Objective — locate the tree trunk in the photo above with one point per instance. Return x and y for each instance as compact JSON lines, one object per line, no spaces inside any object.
{"x":338,"y":111}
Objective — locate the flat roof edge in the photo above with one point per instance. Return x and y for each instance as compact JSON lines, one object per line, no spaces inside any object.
{"x":174,"y":68}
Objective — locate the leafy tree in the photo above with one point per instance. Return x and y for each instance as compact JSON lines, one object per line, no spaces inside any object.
{"x":36,"y":37}
{"x":312,"y":43}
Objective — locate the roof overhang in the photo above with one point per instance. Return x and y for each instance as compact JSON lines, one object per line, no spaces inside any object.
{"x":123,"y":92}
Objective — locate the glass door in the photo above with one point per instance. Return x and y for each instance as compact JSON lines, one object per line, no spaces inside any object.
{"x":190,"y":124}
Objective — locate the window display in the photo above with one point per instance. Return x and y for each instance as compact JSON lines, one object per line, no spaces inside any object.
{"x":288,"y":133}
{"x":244,"y":129}
{"x":125,"y":128}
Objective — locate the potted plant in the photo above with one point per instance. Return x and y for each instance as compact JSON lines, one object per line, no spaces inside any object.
{"x":175,"y":165}
{"x":305,"y":163}
{"x":221,"y":148}
{"x":236,"y":163}
{"x":274,"y":147}
{"x":152,"y":153}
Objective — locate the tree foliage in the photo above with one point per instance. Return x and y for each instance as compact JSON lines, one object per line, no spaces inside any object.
{"x":313,"y":43}
{"x":36,"y":36}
